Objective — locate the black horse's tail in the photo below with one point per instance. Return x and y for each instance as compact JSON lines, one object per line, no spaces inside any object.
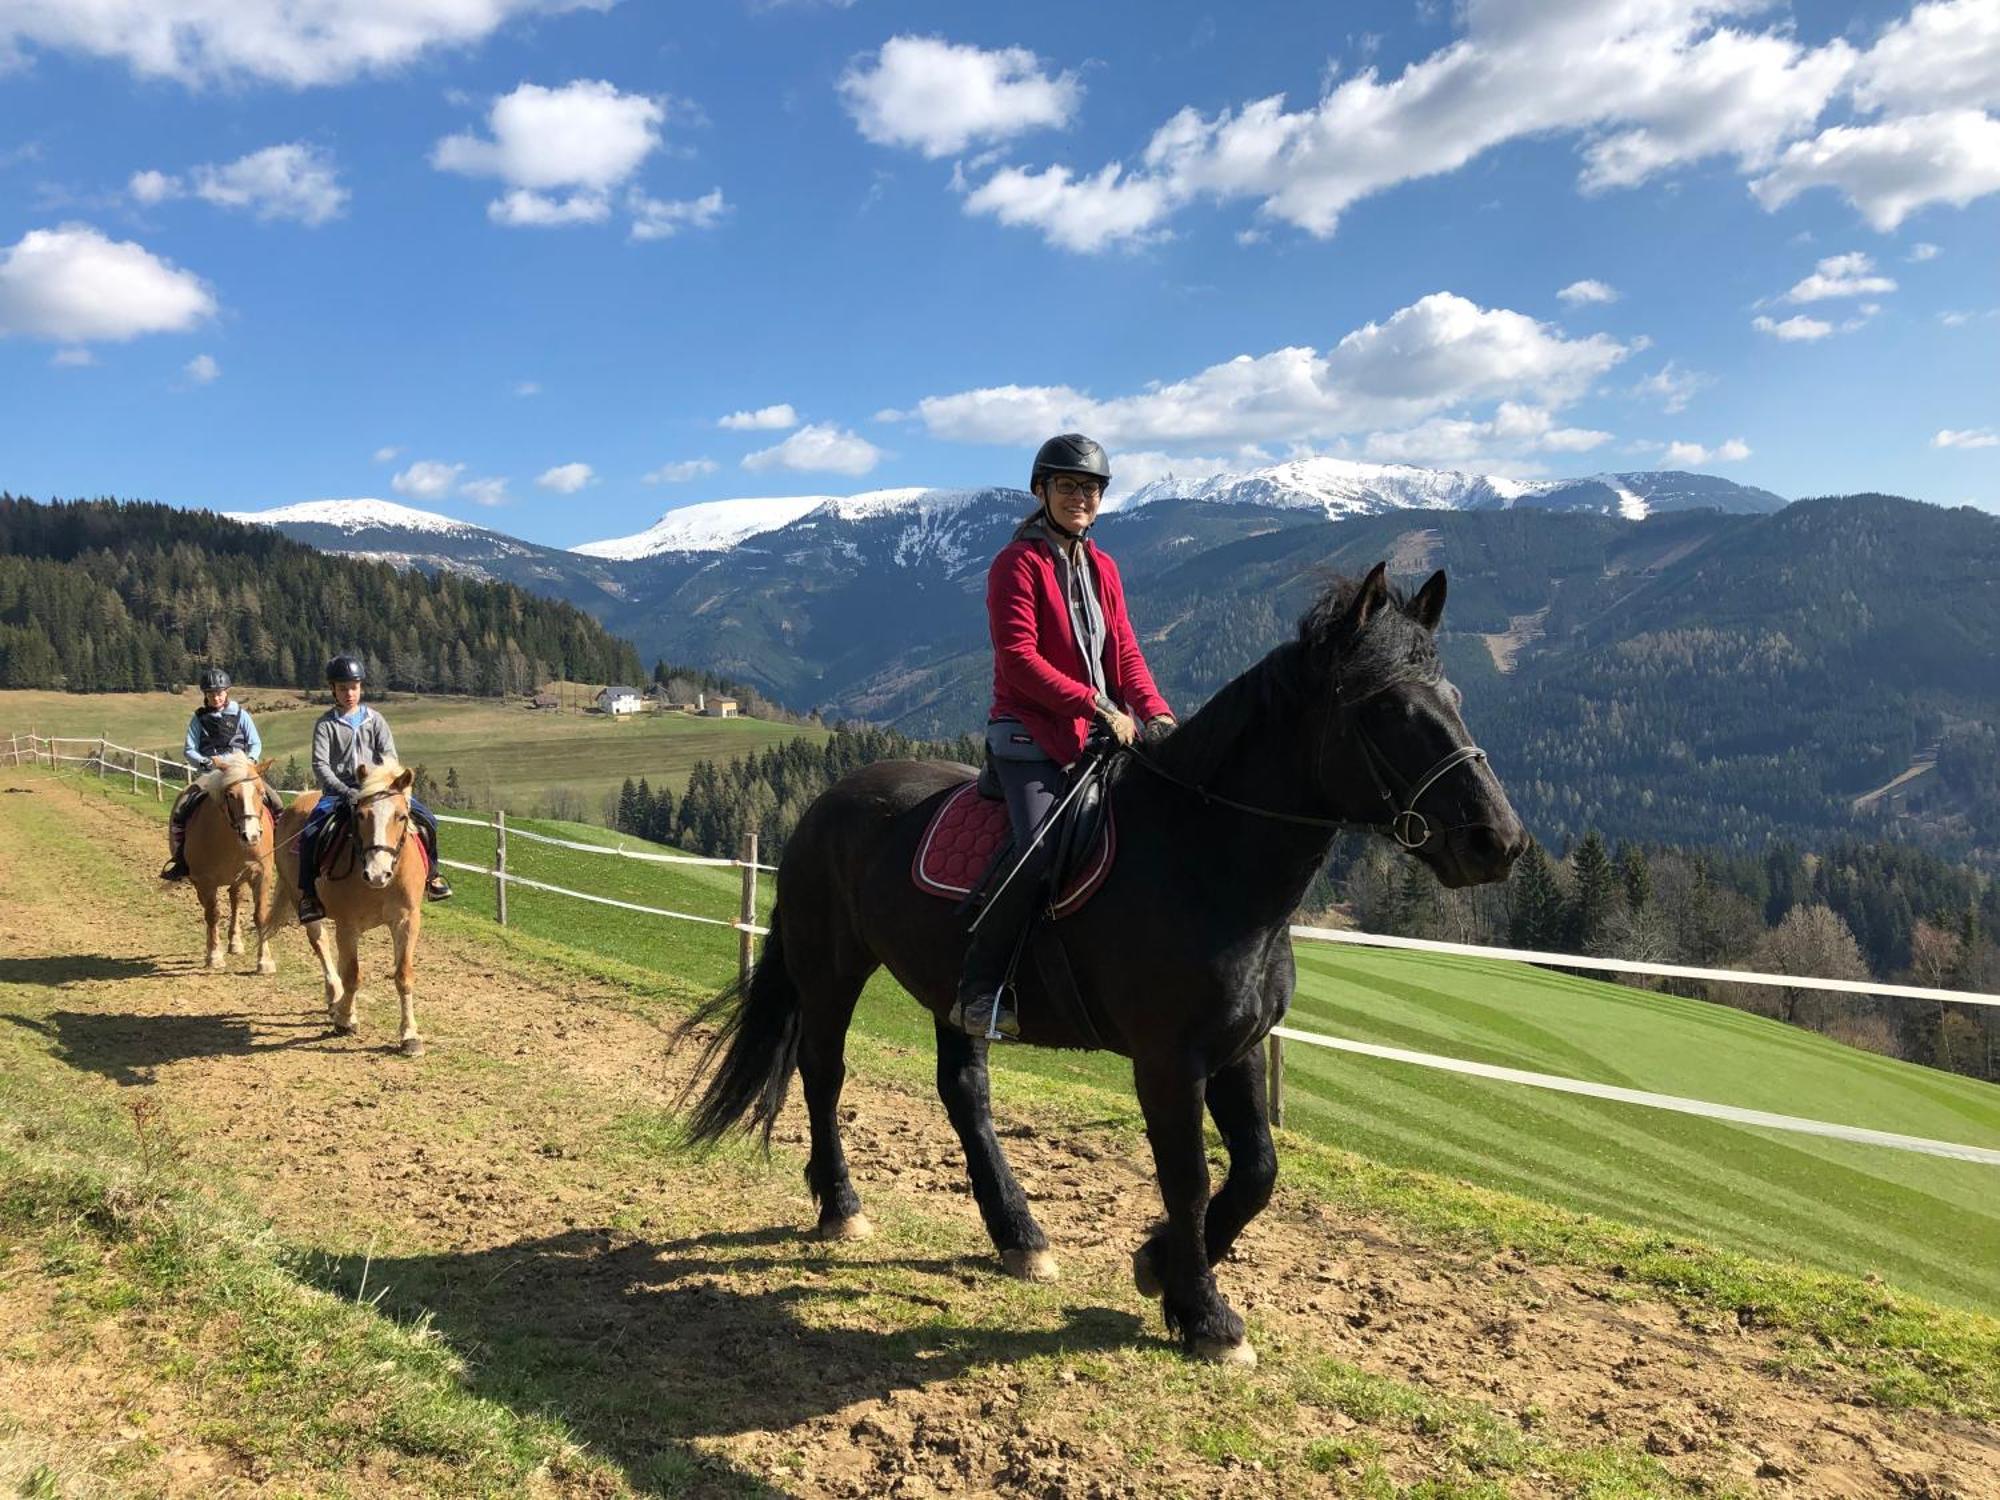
{"x":757,"y":1039}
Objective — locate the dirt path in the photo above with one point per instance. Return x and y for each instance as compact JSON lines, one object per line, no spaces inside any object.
{"x":512,"y":1185}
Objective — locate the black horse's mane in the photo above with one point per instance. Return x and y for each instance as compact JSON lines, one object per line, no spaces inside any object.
{"x":1323,"y":659}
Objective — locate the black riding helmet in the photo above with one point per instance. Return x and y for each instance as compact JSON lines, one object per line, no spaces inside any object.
{"x":214,"y":680}
{"x":344,"y":669}
{"x":1071,"y":453}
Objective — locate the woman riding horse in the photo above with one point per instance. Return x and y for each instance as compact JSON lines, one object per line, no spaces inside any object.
{"x":1063,"y":655}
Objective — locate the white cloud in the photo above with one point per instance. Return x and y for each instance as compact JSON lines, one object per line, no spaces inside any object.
{"x":1644,"y":85}
{"x":1850,"y":275}
{"x":387,"y":454}
{"x":202,"y":369}
{"x":72,"y":359}
{"x":150,"y":187}
{"x":660,"y":218}
{"x":1514,"y":429}
{"x":1672,"y":386}
{"x":485,"y":491}
{"x":1890,"y":170}
{"x":566,"y":479}
{"x":527,"y":388}
{"x":765,"y":419}
{"x":302,"y":43}
{"x":561,"y":151}
{"x":1578,"y":292}
{"x":1440,"y":352}
{"x":1922,"y":251}
{"x":1135,"y":469}
{"x":427,"y":479}
{"x":938,"y":97}
{"x":1971,"y":437}
{"x":682,"y":472}
{"x":1940,"y":56}
{"x":1695,"y":456}
{"x":73,"y":285}
{"x":819,"y":447}
{"x":293,"y":181}
{"x":1793,"y":330}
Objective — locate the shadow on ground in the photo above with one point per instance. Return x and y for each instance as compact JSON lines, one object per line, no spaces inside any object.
{"x":61,"y":969}
{"x":640,"y":1346}
{"x":127,"y":1048}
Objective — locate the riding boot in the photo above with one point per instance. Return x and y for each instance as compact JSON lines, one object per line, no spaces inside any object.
{"x":176,"y":867}
{"x":437,"y":888}
{"x":309,"y":908}
{"x":986,"y":996}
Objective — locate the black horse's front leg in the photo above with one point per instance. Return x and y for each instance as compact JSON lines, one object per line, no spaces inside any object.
{"x":1239,"y":1107}
{"x":1175,"y":1260}
{"x":962,"y":1085}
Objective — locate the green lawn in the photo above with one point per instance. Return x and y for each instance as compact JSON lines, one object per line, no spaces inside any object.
{"x":505,"y":753}
{"x":1925,"y":1223}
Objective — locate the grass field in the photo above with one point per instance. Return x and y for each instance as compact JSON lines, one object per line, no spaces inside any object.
{"x":505,"y":754}
{"x":1922,"y":1222}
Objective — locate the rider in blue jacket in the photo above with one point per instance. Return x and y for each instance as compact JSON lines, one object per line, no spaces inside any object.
{"x":221,"y":726}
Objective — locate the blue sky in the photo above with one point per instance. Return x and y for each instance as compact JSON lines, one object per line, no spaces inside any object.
{"x":519,"y":260}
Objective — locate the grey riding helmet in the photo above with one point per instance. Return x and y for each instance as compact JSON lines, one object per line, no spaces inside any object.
{"x":214,"y":680}
{"x":1071,"y":453}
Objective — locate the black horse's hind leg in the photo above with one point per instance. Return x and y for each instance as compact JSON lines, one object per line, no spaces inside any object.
{"x":1170,"y":1094}
{"x":962,"y":1085}
{"x":824,"y":1017}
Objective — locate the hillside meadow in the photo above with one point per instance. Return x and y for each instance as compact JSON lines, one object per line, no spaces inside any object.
{"x":505,"y":753}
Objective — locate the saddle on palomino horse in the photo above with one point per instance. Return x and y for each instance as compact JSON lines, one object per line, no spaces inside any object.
{"x":335,"y":850}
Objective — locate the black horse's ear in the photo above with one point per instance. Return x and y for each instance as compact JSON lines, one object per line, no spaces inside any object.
{"x":1428,"y":607}
{"x":1369,"y":598}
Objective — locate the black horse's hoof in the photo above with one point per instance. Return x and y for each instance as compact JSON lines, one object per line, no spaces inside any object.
{"x":1029,"y":1265}
{"x":1236,"y":1352}
{"x":853,"y":1227}
{"x":1144,"y":1276}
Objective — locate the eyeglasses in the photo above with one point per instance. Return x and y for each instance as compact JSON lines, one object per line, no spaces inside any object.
{"x":1065,"y":488}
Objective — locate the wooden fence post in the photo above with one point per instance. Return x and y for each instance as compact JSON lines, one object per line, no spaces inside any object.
{"x":746,"y":948}
{"x":1276,"y":1081}
{"x":100,"y":757}
{"x":13,"y":750}
{"x":500,"y":863}
{"x":135,"y":773}
{"x":159,"y":790}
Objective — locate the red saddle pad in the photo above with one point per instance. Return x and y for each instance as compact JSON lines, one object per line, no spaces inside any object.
{"x":958,"y":846}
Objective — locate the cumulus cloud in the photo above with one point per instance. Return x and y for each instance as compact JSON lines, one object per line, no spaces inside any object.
{"x":1890,"y":170}
{"x":1082,"y":214}
{"x":661,"y":219}
{"x":560,"y":151}
{"x":566,"y":479}
{"x":485,"y":491}
{"x":764,"y":419}
{"x":939,"y":97}
{"x":819,"y":447}
{"x":427,"y":479}
{"x":1695,"y":456}
{"x":205,"y":41}
{"x":150,"y":187}
{"x":1441,"y":351}
{"x":1137,"y":468}
{"x":1841,"y":276}
{"x":202,"y":369}
{"x":1800,"y":329}
{"x":682,"y":472}
{"x":294,"y":181}
{"x":1514,"y":429}
{"x":1969,"y":437}
{"x":1941,"y":55}
{"x":387,"y":454}
{"x":74,"y":285}
{"x":1579,"y":292}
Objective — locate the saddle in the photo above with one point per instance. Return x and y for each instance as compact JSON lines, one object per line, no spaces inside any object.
{"x":969,"y":843}
{"x":336,"y":841}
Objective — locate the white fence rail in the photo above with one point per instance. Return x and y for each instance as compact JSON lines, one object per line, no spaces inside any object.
{"x":46,"y":750}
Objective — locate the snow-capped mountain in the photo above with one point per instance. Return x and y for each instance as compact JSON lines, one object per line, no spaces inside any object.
{"x":351,"y":516}
{"x":1339,"y":488}
{"x":720,"y":525}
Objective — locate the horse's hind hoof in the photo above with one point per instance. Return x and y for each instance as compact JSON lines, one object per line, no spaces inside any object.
{"x":853,"y":1227}
{"x":1236,"y":1352}
{"x":340,"y":1030}
{"x":268,"y":966}
{"x":1144,"y":1277}
{"x":1029,"y":1265}
{"x":413,"y":1046}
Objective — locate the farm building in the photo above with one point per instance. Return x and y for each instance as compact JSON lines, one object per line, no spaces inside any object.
{"x":620,"y":700}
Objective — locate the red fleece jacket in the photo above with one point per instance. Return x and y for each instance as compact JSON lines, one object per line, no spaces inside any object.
{"x":1039,"y":676}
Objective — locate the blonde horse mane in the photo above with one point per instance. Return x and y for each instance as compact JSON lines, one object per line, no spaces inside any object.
{"x":375,"y":780}
{"x":225,"y":771}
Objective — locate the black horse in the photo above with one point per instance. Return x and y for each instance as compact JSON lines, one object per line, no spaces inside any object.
{"x":1183,"y":955}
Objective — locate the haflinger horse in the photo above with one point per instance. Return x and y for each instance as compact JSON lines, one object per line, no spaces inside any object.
{"x":230,"y":837}
{"x":1182,"y":959}
{"x":376,"y":880}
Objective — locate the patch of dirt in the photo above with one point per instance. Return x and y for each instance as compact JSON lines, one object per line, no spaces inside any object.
{"x":485,"y":1183}
{"x":1522,"y":631}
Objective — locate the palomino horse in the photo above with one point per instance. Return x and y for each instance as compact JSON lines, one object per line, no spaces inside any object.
{"x":376,"y":880}
{"x":1182,"y":958}
{"x":229,"y":842}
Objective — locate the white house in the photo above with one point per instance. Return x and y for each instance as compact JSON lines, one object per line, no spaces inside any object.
{"x":620,"y":700}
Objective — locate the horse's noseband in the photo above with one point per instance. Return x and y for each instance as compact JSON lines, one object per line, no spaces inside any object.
{"x":395,"y":851}
{"x":1409,"y":827}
